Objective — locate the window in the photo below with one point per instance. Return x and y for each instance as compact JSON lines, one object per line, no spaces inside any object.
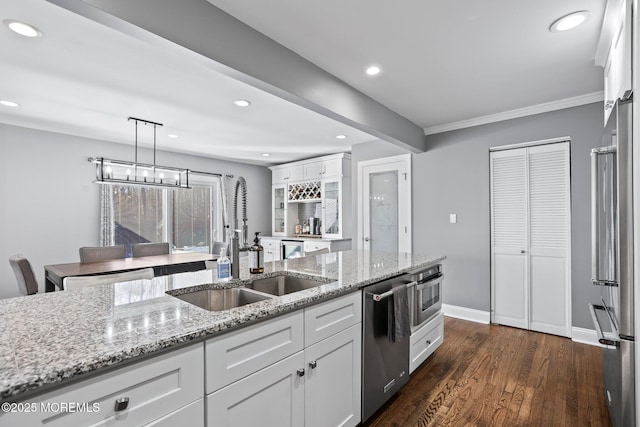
{"x":188,"y":219}
{"x":191,"y":219}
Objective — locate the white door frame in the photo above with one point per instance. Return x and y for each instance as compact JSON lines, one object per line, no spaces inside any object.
{"x":404,"y":201}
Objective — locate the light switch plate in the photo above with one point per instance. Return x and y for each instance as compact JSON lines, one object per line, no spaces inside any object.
{"x":453,"y":218}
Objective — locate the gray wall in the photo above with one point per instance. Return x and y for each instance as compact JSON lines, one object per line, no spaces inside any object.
{"x":49,"y":203}
{"x":453,"y":177}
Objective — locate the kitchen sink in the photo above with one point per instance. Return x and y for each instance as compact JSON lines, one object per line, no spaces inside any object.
{"x":284,"y":284}
{"x":222,"y":299}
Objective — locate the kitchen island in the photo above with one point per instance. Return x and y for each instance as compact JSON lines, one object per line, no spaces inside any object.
{"x":87,"y":332}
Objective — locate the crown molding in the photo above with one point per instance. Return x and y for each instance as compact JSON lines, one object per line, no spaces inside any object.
{"x":519,"y":112}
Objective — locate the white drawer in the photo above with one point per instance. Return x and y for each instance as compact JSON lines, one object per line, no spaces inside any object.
{"x":270,"y":244}
{"x":328,"y":318}
{"x":310,"y":246}
{"x":191,"y":415}
{"x":237,"y":354}
{"x":425,"y":340}
{"x":155,"y":387}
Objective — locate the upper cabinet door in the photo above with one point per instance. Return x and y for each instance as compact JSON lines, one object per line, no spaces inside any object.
{"x":287,"y":174}
{"x":313,"y":170}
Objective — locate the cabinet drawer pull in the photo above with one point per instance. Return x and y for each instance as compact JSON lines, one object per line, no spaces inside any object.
{"x":121,"y":404}
{"x":313,"y":364}
{"x":301,"y":372}
{"x":428,"y":342}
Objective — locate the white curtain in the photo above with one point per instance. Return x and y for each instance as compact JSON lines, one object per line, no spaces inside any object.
{"x":107,"y":228}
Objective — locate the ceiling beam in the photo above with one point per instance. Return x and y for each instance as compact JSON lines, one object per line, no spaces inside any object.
{"x":237,"y":50}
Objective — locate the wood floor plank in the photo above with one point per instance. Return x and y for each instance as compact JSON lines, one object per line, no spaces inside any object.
{"x":492,"y":375}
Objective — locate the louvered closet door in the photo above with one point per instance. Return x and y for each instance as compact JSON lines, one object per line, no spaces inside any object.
{"x":549,"y":238}
{"x":530,"y":238}
{"x":509,"y":237}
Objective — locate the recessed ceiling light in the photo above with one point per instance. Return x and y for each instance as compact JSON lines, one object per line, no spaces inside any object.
{"x":172,"y":135}
{"x":341,"y":136}
{"x":9,"y":103}
{"x":242,"y":102}
{"x":570,"y":21}
{"x":266,"y":154}
{"x":373,"y":70}
{"x":22,"y":28}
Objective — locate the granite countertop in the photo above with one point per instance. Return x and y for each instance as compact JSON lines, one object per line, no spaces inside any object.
{"x":46,"y":339}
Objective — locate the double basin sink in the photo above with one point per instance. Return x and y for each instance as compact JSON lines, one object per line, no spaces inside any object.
{"x":256,"y":291}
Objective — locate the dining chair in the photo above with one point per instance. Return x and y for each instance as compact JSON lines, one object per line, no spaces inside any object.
{"x":101,"y":253}
{"x":80,"y":282}
{"x":27,"y":283}
{"x":149,"y":249}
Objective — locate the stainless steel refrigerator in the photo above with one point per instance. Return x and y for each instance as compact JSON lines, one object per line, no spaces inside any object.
{"x":612,"y":260}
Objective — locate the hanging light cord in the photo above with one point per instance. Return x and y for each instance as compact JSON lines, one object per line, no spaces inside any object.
{"x":155,"y":126}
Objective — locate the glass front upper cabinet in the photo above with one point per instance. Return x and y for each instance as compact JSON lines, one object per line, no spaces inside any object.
{"x":332,"y":220}
{"x":279,"y":210}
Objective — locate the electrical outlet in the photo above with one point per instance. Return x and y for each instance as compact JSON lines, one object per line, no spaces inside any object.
{"x":453,"y":218}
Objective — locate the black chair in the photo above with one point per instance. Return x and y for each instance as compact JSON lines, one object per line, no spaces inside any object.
{"x":149,"y":249}
{"x":27,"y":284}
{"x":101,"y":253}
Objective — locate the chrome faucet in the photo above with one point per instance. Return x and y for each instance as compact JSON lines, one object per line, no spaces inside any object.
{"x":235,"y":254}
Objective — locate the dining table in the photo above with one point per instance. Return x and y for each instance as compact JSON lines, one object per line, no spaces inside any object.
{"x":162,"y":265}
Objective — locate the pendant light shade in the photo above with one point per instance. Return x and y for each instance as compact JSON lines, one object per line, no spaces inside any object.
{"x":121,"y":172}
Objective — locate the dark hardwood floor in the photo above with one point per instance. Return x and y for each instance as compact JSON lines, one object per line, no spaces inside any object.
{"x":491,"y":375}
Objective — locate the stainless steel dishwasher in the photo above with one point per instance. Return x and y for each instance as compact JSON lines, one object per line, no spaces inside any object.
{"x":385,"y":364}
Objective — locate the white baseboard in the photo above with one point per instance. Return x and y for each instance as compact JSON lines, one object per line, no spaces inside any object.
{"x":585,"y":336}
{"x":465,"y":313}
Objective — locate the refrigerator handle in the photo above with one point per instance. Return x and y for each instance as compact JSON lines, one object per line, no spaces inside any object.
{"x":595,"y":217}
{"x":595,"y":274}
{"x":601,"y":338}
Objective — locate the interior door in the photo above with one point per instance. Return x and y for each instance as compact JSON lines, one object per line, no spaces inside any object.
{"x":530,"y":238}
{"x":384,"y":204}
{"x":509,"y":236}
{"x":549,"y":238}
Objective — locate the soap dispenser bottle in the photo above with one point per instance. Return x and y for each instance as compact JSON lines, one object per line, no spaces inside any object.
{"x":256,"y":256}
{"x":224,"y":266}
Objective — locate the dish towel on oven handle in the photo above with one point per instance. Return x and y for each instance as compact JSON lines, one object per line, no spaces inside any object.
{"x":398,"y":316}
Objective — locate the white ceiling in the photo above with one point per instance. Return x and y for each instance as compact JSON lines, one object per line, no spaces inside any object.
{"x":442,"y":62}
{"x":82,"y":78}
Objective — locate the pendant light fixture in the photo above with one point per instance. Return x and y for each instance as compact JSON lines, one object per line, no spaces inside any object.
{"x":133,"y":173}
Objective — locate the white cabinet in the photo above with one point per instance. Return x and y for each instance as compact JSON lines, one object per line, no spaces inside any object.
{"x":279,"y":210}
{"x":265,"y":375}
{"x":425,"y":340}
{"x":287,"y":173}
{"x":313,"y":170}
{"x":191,"y":415}
{"x":618,"y":65}
{"x":313,"y":246}
{"x":323,"y":180}
{"x":272,"y":249}
{"x":328,"y":167}
{"x":155,"y":389}
{"x":330,"y":317}
{"x":332,"y":381}
{"x":271,"y":397}
{"x":237,"y":354}
{"x":334,"y":208}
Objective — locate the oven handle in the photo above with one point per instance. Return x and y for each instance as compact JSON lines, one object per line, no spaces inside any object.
{"x":380,"y":297}
{"x":601,"y":338}
{"x":429,"y":283}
